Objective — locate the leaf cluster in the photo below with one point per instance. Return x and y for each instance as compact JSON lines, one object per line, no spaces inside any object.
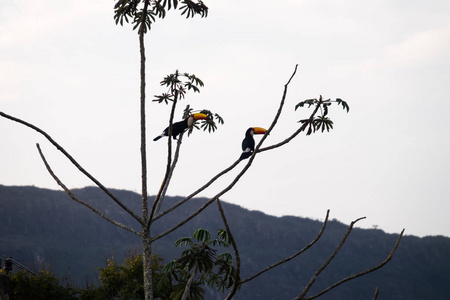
{"x":178,"y":85}
{"x":143,"y":13}
{"x":200,"y":256}
{"x":321,"y":122}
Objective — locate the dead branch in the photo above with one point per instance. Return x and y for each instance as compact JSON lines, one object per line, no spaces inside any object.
{"x":328,"y":261}
{"x":74,"y":162}
{"x":71,"y":195}
{"x":375,"y":296}
{"x":294,"y":255}
{"x":391,"y":254}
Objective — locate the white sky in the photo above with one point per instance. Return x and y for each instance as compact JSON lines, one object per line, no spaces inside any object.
{"x":68,"y":69}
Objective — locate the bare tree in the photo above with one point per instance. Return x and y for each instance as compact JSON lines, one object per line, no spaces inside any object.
{"x":142,"y":14}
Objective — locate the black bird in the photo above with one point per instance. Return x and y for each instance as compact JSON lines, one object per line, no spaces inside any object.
{"x":181,"y":126}
{"x":248,"y":144}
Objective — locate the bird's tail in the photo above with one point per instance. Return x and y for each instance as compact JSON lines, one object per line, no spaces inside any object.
{"x":245,"y":155}
{"x":157,"y":138}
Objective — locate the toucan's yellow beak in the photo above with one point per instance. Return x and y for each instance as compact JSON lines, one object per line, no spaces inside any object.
{"x":259,"y":130}
{"x":199,"y":116}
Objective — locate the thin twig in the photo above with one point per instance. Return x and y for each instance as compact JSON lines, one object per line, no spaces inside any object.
{"x":294,"y":255}
{"x":236,"y":253}
{"x":68,"y":192}
{"x":375,"y":296}
{"x":328,"y":261}
{"x":391,"y":254}
{"x":74,"y":162}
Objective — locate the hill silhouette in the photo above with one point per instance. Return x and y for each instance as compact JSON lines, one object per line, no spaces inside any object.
{"x":45,"y":227}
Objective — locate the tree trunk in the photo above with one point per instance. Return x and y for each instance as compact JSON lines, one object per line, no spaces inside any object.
{"x":187,"y":289}
{"x":147,"y":259}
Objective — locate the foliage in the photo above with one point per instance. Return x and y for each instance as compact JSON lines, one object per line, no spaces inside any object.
{"x":125,"y":282}
{"x":321,"y":122}
{"x":177,"y":88}
{"x":42,"y":286}
{"x":145,"y":12}
{"x":200,"y":258}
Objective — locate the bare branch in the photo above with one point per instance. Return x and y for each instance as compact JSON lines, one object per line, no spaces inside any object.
{"x":236,"y":253}
{"x":294,"y":255}
{"x":327,"y":262}
{"x":74,"y":162}
{"x":391,"y":254}
{"x":375,"y":296}
{"x":61,"y":184}
{"x":172,"y":168}
{"x":277,"y":116}
{"x":302,"y":128}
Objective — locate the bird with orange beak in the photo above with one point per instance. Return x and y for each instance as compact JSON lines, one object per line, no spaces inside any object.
{"x":248,"y":144}
{"x":180,"y":127}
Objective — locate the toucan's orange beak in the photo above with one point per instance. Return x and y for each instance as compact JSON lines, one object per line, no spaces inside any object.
{"x":199,"y":116}
{"x":259,"y":130}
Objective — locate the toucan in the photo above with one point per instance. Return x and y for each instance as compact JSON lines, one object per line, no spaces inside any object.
{"x":248,"y":144}
{"x":181,"y":126}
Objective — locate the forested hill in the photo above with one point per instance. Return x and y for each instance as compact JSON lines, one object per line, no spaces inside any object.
{"x":40,"y":226}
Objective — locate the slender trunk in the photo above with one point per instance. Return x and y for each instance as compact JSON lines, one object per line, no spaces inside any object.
{"x":187,"y":289}
{"x":146,"y":239}
{"x":147,"y":259}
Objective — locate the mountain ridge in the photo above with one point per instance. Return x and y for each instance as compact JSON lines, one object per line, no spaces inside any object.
{"x":42,"y":226}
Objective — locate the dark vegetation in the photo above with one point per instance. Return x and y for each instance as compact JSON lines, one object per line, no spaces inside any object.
{"x":40,"y":227}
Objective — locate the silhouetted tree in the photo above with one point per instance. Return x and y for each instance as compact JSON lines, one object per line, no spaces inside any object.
{"x":142,"y":14}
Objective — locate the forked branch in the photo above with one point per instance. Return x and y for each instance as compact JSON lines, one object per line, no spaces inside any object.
{"x":328,"y":261}
{"x":380,"y":265}
{"x":294,"y":255}
{"x":302,"y":296}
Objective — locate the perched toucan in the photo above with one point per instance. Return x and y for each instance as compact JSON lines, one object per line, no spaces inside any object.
{"x":248,"y":144}
{"x":181,"y":126}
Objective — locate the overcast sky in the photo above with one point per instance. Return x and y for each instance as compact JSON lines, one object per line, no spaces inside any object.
{"x":68,"y":69}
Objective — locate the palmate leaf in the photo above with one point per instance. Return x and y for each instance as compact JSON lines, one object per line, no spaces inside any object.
{"x":183,"y":241}
{"x":163,"y":98}
{"x":190,"y":86}
{"x":192,"y":8}
{"x":305,"y":102}
{"x":323,"y":123}
{"x":202,"y":235}
{"x":343,"y":103}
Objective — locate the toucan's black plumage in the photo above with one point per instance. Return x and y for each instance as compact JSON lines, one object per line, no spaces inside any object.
{"x":177,"y":128}
{"x":248,"y":144}
{"x":181,"y":126}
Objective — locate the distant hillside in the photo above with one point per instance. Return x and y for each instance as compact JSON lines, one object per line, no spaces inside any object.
{"x":40,"y":226}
